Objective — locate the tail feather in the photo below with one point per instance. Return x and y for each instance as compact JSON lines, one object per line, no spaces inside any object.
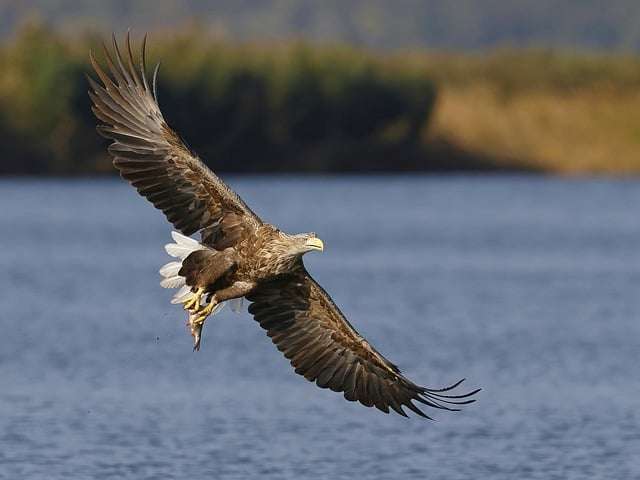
{"x":171,"y":269}
{"x":182,"y":295}
{"x":179,"y":251}
{"x":183,"y":247}
{"x":173,"y":282}
{"x":185,"y":241}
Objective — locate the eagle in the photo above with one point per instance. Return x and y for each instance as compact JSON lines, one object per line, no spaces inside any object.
{"x":238,"y":255}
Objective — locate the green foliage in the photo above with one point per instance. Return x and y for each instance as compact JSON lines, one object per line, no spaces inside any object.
{"x":42,"y":98}
{"x":241,"y":108}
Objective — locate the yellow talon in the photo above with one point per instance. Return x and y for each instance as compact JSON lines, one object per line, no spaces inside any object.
{"x":193,"y":304}
{"x":206,"y":311}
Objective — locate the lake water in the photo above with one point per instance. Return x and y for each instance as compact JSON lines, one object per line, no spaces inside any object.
{"x":528,"y":287}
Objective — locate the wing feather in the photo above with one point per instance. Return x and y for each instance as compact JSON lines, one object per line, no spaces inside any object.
{"x":151,"y":156}
{"x":305,"y":324}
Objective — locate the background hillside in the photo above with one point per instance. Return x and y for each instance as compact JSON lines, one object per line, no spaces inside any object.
{"x":463,"y":24}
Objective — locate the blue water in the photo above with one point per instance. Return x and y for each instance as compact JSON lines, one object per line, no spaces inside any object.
{"x":528,"y":287}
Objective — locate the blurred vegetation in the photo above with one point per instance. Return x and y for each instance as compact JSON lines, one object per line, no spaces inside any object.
{"x":242,"y":108}
{"x":293,"y":107}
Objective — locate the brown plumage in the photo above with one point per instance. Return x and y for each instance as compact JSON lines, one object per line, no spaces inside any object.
{"x":239,"y":255}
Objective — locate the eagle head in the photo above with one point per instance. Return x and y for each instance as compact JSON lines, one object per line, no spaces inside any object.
{"x":284,"y":250}
{"x":307,"y":242}
{"x":294,"y":246}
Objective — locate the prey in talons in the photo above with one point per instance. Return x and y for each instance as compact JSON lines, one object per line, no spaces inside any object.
{"x":198,"y":314}
{"x":202,"y":273}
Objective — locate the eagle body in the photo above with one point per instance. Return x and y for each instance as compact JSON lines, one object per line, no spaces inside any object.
{"x":238,"y":256}
{"x":268,"y":252}
{"x":260,"y":256}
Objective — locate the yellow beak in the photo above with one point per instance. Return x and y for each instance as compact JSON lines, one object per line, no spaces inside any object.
{"x":315,"y":244}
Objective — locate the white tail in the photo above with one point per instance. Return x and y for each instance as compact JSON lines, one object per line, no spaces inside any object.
{"x":183,"y":247}
{"x":181,"y":250}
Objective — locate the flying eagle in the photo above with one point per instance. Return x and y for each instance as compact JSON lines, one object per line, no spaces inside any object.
{"x":238,"y":255}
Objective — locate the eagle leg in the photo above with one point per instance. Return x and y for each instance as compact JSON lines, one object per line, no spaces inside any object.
{"x":193,"y":304}
{"x":198,"y":316}
{"x":204,"y":312}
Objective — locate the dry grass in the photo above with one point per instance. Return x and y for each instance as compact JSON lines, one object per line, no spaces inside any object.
{"x":559,"y":112}
{"x":584,"y":131}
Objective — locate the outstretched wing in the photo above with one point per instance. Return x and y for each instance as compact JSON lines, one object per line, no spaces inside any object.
{"x":305,"y":324}
{"x":152,"y":157}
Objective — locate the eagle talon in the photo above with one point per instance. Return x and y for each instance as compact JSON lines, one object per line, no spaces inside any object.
{"x":206,"y":311}
{"x":193,"y":304}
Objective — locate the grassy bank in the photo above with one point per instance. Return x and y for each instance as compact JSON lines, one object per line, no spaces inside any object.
{"x":562,"y":113}
{"x":294,"y":107}
{"x":578,"y":132}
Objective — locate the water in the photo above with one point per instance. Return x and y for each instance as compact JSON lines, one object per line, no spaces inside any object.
{"x":527,"y":287}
